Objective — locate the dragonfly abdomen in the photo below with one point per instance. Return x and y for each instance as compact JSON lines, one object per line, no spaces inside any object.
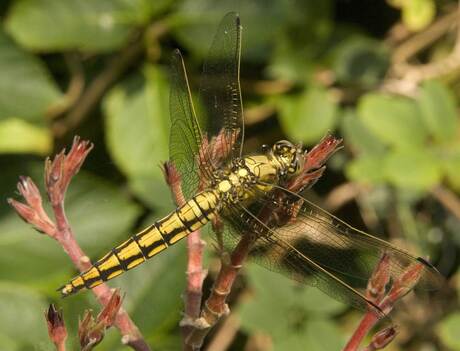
{"x":194,"y":214}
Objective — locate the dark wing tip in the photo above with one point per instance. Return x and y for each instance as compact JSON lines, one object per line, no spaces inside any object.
{"x":426,"y":263}
{"x":232,"y":16}
{"x":176,"y":52}
{"x":237,"y":19}
{"x":433,"y":279}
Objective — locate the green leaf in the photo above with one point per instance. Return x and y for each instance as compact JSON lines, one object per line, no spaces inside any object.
{"x":276,"y":295}
{"x":319,"y":334}
{"x":19,"y":136}
{"x":99,"y":213}
{"x":137,"y":124}
{"x":9,"y":343}
{"x":309,"y":116}
{"x":22,"y":314}
{"x":360,"y":61}
{"x":24,"y":79}
{"x":395,"y":120}
{"x":417,"y":14}
{"x":448,"y":331}
{"x":415,"y":169}
{"x":366,"y":169}
{"x":53,"y":25}
{"x":451,"y":167}
{"x":439,"y":111}
{"x":358,"y":136}
{"x":196,"y":22}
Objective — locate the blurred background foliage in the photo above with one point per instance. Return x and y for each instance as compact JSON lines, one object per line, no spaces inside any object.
{"x":384,"y":75}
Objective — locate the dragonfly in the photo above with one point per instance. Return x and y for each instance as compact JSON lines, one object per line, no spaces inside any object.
{"x":249,"y":195}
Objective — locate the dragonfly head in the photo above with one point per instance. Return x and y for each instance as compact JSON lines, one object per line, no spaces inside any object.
{"x":289,"y":156}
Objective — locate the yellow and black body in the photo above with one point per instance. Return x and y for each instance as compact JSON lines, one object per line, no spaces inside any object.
{"x":240,"y":182}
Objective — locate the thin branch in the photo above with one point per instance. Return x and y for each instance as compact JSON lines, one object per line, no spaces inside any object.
{"x":118,"y":64}
{"x":223,"y":338}
{"x":58,"y":174}
{"x":341,"y":195}
{"x":74,"y":89}
{"x":448,"y":199}
{"x":418,"y":42}
{"x":195,"y":247}
{"x":404,"y":77}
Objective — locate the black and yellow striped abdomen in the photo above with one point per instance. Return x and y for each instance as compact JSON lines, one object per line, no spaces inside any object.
{"x":152,"y":240}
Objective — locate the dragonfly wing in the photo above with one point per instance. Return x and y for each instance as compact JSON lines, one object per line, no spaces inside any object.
{"x":309,"y":245}
{"x":349,"y":253}
{"x":280,"y":256}
{"x":185,"y":136}
{"x":220,"y":91}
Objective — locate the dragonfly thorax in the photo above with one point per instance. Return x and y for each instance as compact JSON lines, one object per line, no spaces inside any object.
{"x":234,"y":182}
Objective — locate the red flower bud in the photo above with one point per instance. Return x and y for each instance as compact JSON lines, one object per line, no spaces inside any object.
{"x":56,"y":328}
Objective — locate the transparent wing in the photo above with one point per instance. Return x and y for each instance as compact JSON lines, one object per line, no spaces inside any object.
{"x":185,"y":143}
{"x":349,"y":253}
{"x":315,"y":248}
{"x":279,"y":256}
{"x":220,"y":87}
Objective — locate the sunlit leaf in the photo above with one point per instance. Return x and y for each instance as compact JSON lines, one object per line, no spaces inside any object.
{"x":19,"y":136}
{"x":448,"y":331}
{"x":358,"y":136}
{"x":417,"y":14}
{"x":417,"y":169}
{"x":9,"y":343}
{"x":137,"y":122}
{"x":50,"y":25}
{"x":395,"y":120}
{"x":366,"y":169}
{"x":276,"y":295}
{"x":309,"y":116}
{"x":439,"y":111}
{"x":26,"y":88}
{"x":319,"y":334}
{"x":22,"y":313}
{"x":451,"y":167}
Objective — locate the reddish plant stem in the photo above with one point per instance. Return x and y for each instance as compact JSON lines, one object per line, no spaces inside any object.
{"x":377,"y":292}
{"x":58,"y":174}
{"x":195,"y":247}
{"x":215,"y":306}
{"x":131,"y":334}
{"x":195,"y":275}
{"x":369,"y":320}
